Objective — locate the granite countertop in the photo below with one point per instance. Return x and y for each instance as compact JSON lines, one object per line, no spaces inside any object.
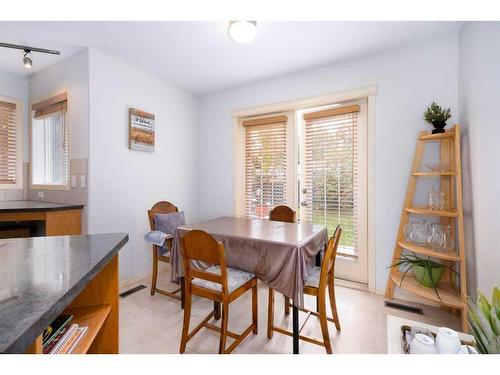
{"x":23,"y":206}
{"x":40,"y":276}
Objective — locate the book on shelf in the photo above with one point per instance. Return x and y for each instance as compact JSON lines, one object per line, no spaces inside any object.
{"x":60,"y":324}
{"x":67,"y":341}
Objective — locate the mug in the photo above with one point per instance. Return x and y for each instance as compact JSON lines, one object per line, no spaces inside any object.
{"x":447,"y":341}
{"x":467,"y":349}
{"x":422,"y":344}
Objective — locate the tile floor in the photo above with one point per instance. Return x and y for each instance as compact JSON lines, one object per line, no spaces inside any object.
{"x":152,"y":324}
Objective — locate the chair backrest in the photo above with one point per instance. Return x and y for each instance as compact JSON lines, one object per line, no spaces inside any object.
{"x":162,"y":207}
{"x":198,"y":245}
{"x":328,"y":265}
{"x":282,"y":213}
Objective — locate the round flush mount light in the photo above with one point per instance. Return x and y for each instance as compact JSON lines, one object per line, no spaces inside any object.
{"x":242,"y":31}
{"x":28,"y":63}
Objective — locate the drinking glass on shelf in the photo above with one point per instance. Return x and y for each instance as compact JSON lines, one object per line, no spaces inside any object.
{"x":441,"y":238}
{"x":436,"y":200}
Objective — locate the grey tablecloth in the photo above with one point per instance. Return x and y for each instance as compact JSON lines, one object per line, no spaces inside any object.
{"x":278,"y":253}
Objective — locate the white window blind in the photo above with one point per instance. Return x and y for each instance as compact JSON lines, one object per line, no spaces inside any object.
{"x":50,"y":142}
{"x":8,"y":143}
{"x":331,"y":172}
{"x":265,"y":165}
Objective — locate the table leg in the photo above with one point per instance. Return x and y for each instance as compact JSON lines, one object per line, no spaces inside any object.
{"x":295,"y":323}
{"x":182,"y":292}
{"x":217,"y":310}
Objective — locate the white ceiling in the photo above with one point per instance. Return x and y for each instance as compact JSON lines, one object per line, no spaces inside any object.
{"x":200,"y":57}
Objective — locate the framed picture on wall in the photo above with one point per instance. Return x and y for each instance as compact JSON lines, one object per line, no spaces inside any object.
{"x":141,"y":130}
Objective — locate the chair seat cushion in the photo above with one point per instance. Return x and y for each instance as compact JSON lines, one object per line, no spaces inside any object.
{"x":313,"y":277}
{"x":235,"y":279}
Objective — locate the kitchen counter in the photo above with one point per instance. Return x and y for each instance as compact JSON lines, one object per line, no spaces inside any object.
{"x":40,"y":277}
{"x":31,"y":206}
{"x":42,"y":218}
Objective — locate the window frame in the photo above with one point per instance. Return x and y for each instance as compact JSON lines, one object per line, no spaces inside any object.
{"x":369,"y":92}
{"x":19,"y":145}
{"x":67,"y":124}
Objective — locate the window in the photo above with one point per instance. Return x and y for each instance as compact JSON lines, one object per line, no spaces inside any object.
{"x":10,"y":144}
{"x":50,"y":143}
{"x":265,"y":165}
{"x":330,"y":183}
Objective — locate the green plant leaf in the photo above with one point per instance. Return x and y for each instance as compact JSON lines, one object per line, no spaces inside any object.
{"x":495,"y":300}
{"x":475,"y":322}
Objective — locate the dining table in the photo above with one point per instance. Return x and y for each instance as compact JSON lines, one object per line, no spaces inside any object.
{"x":279,"y":254}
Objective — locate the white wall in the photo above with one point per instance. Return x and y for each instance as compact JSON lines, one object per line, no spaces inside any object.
{"x":16,"y":87}
{"x":123,"y":183}
{"x":408,"y":80}
{"x":479,"y":88}
{"x":71,"y":75}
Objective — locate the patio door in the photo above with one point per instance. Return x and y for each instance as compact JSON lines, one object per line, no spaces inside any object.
{"x":332,"y":179}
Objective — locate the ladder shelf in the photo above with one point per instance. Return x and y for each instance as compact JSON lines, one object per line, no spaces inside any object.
{"x":452,"y":292}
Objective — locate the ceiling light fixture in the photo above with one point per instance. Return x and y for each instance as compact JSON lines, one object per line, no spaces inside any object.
{"x":242,"y":31}
{"x":27,"y":58}
{"x":28,"y":63}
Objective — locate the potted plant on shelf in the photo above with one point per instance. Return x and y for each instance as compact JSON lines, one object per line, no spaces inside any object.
{"x":484,"y":321}
{"x":437,"y":116}
{"x":427,"y":273}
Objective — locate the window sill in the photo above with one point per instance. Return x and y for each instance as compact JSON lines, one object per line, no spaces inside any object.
{"x":11,"y":187}
{"x":50,"y":187}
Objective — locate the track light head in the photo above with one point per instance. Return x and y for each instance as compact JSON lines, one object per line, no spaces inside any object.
{"x":28,"y":63}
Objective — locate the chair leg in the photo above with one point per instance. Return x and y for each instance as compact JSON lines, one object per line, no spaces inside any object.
{"x":223,"y":330}
{"x":187,"y":319}
{"x":333,"y":303}
{"x":287,"y":305}
{"x":154,"y":276}
{"x":255,"y":310}
{"x":324,"y":323}
{"x":270,"y":314}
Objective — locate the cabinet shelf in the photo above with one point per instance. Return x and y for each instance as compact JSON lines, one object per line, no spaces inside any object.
{"x":93,"y":317}
{"x":432,"y":174}
{"x":448,"y":295}
{"x":425,"y":211}
{"x":429,"y":137}
{"x":450,"y":255}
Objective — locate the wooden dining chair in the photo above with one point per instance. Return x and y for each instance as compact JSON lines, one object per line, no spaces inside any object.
{"x":283,"y":213}
{"x":316,"y":284}
{"x":218,"y":283}
{"x":287,"y":215}
{"x":162,"y":207}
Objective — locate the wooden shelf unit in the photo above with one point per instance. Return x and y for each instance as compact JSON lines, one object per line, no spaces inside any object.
{"x":433,"y":174}
{"x":97,"y":308}
{"x":92,"y":317}
{"x":449,"y":255}
{"x":448,"y":296}
{"x":452,"y":291}
{"x":429,"y":137}
{"x":425,"y":211}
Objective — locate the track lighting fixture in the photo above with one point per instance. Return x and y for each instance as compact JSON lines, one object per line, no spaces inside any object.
{"x":27,"y":58}
{"x":28,"y":63}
